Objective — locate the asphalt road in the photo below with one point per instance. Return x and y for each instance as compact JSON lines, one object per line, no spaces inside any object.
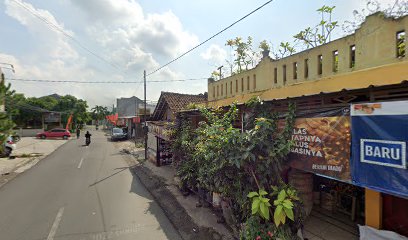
{"x":81,"y":193}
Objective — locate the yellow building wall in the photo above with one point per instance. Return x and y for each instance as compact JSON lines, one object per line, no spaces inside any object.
{"x":375,"y":64}
{"x":379,"y":76}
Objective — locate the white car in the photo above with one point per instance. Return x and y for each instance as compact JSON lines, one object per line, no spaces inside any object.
{"x":9,"y":146}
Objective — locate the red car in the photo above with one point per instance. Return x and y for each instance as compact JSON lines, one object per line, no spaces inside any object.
{"x":55,"y":133}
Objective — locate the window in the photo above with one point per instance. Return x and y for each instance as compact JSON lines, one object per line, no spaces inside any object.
{"x":247,"y":82}
{"x":117,"y":130}
{"x":213,"y":91}
{"x":352,"y":56}
{"x":236,"y":85}
{"x":335,"y":61}
{"x":306,"y":68}
{"x":254,"y":82}
{"x":222,"y":89}
{"x":226,"y":89}
{"x":275,"y":75}
{"x":401,"y":44}
{"x":320,"y":64}
{"x":231,"y":88}
{"x":295,"y":67}
{"x":218,"y":93}
{"x":242,"y":84}
{"x":284,"y":74}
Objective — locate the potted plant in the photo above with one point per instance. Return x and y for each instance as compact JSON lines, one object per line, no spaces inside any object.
{"x":264,"y":45}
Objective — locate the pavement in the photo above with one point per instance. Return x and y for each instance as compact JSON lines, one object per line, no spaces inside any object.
{"x":81,"y":193}
{"x":323,"y":225}
{"x":28,"y":153}
{"x":203,"y":218}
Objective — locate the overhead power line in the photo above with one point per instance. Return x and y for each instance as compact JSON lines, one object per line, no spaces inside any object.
{"x":208,"y":39}
{"x":50,"y":24}
{"x":100,"y":82}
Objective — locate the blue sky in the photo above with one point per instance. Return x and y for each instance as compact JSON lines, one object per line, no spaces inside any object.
{"x":138,"y":35}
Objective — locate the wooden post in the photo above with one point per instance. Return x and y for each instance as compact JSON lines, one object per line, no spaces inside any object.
{"x":373,"y":209}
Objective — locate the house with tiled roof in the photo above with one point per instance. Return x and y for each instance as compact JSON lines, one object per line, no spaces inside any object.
{"x":164,"y":114}
{"x":170,"y":103}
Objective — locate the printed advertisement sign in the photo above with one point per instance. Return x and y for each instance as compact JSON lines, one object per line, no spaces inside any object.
{"x":322,"y":145}
{"x":52,"y":117}
{"x":380,"y":136}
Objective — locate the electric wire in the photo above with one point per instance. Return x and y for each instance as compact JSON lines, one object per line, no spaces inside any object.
{"x":50,"y":24}
{"x":100,"y":82}
{"x":208,"y":39}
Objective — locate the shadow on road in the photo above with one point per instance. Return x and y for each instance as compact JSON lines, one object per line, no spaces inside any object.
{"x":154,"y":208}
{"x":103,"y":179}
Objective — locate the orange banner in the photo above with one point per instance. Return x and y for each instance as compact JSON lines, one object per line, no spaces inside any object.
{"x":68,"y":122}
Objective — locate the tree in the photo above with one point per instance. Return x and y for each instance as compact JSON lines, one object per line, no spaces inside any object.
{"x":243,"y":54}
{"x":68,"y":105}
{"x":25,"y":111}
{"x":285,"y":49}
{"x":80,"y":114}
{"x":100,"y":112}
{"x":6,"y":125}
{"x":312,"y":37}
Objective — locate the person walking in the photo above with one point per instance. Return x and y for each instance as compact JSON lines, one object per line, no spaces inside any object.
{"x":78,"y":132}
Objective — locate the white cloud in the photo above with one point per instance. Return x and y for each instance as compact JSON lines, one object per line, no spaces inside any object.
{"x":108,"y":12}
{"x":45,"y":31}
{"x":117,"y":30}
{"x":215,"y":54}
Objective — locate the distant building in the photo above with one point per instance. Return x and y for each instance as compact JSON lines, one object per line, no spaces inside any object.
{"x":131,"y":113}
{"x":133,"y":106}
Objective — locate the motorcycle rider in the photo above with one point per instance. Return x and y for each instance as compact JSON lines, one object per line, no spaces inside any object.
{"x":88,"y":137}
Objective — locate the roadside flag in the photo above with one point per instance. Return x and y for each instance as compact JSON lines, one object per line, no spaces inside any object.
{"x":68,"y":122}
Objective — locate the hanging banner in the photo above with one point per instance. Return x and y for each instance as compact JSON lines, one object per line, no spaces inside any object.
{"x":322,"y":144}
{"x":68,"y":126}
{"x":380,"y":136}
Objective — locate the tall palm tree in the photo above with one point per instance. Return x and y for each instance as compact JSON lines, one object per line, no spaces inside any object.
{"x":100,"y":112}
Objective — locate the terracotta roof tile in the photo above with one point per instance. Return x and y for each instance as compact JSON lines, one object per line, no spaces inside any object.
{"x":175,"y":102}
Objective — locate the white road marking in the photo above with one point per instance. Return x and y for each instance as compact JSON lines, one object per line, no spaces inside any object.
{"x":80,"y":163}
{"x":54,"y":227}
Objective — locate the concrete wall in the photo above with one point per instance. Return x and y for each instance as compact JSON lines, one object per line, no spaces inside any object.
{"x":27,"y":132}
{"x":128,"y":106}
{"x":151,"y":146}
{"x":375,"y":44}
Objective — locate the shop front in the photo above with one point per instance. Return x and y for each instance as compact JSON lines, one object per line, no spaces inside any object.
{"x":380,"y":136}
{"x":349,"y":165}
{"x":321,"y":171}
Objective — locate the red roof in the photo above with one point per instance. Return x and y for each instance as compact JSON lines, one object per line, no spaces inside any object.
{"x":175,"y":102}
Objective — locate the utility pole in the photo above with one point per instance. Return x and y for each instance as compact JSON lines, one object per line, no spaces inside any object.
{"x":220,"y":71}
{"x":144,"y":114}
{"x":134,"y":123}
